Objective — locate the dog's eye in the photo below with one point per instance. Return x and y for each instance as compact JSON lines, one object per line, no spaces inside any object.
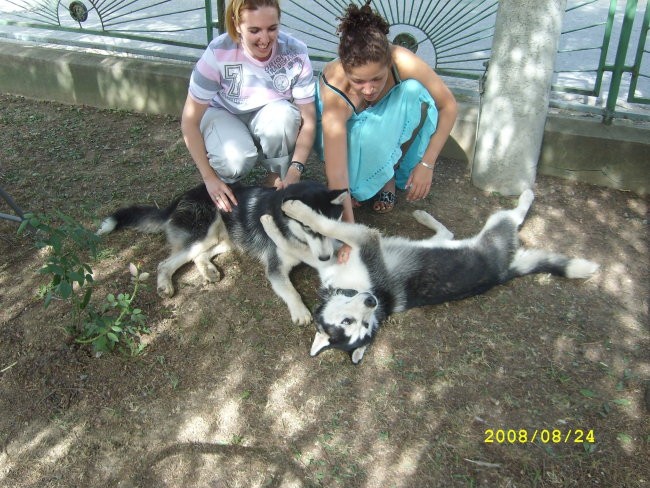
{"x":347,"y":321}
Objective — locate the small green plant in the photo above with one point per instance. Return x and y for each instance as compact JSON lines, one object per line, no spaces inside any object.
{"x":115,"y":323}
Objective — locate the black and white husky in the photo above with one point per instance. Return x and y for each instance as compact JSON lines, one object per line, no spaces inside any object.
{"x":390,"y":274}
{"x":197,"y":231}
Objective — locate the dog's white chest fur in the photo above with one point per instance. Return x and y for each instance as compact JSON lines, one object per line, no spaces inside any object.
{"x":353,"y":274}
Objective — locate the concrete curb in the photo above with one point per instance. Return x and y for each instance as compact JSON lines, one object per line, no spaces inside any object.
{"x":576,"y":148}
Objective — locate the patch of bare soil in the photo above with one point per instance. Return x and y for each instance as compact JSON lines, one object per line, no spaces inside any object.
{"x":225,"y":394}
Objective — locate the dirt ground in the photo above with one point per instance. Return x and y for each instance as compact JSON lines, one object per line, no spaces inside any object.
{"x":225,"y":393}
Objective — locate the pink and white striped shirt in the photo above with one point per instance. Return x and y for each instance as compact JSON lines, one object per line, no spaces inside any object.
{"x":226,"y":76}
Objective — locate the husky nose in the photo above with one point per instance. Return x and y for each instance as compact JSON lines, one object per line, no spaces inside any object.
{"x":370,"y":302}
{"x":323,"y":258}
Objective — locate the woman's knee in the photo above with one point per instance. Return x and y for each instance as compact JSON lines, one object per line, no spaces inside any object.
{"x":277,"y":119}
{"x":413,"y":89}
{"x":233,"y":165}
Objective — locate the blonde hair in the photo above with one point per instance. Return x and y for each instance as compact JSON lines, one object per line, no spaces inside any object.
{"x":236,"y":8}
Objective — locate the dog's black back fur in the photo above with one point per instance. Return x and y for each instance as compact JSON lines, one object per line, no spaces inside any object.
{"x":243,"y":223}
{"x":194,"y":212}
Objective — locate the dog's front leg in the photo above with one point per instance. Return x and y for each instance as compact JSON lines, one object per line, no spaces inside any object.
{"x":278,"y":275}
{"x":297,"y":249}
{"x":352,"y":234}
{"x":275,"y":235}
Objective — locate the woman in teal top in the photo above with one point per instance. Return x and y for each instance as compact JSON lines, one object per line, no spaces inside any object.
{"x":384,"y":115}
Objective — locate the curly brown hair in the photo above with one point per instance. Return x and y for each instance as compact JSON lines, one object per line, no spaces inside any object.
{"x":363,"y":37}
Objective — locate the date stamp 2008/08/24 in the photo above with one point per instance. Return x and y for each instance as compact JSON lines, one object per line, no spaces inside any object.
{"x":544,"y":436}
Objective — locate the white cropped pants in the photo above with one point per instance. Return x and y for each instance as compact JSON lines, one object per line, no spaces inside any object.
{"x":234,"y":143}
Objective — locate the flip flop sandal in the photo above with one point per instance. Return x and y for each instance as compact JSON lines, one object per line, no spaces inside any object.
{"x":384,"y":202}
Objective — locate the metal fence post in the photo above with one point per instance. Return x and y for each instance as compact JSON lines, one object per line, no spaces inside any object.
{"x":638,"y":60}
{"x":210,"y":24}
{"x":208,"y":20}
{"x":619,"y":62}
{"x":602,"y":61}
{"x":221,"y":11}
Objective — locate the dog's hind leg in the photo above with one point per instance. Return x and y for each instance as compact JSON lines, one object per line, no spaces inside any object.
{"x":515,"y":215}
{"x":201,"y":253}
{"x":166,"y":270}
{"x":277,"y":273}
{"x":525,"y":201}
{"x":426,"y":219}
{"x":206,"y":267}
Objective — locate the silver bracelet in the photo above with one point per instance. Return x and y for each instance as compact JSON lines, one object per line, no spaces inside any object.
{"x":427,"y":165}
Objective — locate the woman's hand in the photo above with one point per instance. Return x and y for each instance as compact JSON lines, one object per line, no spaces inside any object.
{"x":292,"y":176}
{"x":419,"y":182}
{"x":221,"y":194}
{"x":344,"y":254}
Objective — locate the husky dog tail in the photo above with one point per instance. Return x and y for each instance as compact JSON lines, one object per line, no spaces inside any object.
{"x":529,"y":261}
{"x":145,"y":218}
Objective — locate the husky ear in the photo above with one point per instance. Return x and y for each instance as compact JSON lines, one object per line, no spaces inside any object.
{"x":338,"y":196}
{"x":321,"y":341}
{"x":357,"y":354}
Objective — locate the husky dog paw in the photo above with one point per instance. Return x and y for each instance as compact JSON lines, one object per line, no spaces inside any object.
{"x":300,"y":315}
{"x":207,"y":269}
{"x":211,"y":273}
{"x":268,"y":224}
{"x":296,"y":209}
{"x":165,"y":288}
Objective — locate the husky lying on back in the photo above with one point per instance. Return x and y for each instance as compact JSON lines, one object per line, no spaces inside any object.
{"x":197,"y":231}
{"x":390,"y":274}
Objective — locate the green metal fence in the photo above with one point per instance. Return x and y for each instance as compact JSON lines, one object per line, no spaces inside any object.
{"x":156,"y":25}
{"x":599,"y":60}
{"x":454,"y":37}
{"x":641,"y":70}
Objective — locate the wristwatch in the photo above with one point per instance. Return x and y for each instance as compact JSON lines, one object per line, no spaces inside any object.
{"x":299,"y":166}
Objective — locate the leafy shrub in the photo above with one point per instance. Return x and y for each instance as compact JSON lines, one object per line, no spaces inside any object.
{"x":113,"y":324}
